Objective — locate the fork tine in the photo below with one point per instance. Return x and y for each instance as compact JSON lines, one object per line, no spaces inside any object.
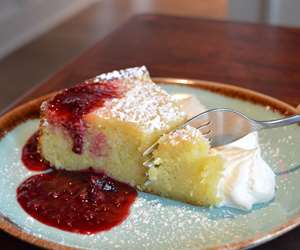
{"x":149,"y":163}
{"x":196,"y":117}
{"x":204,"y":125}
{"x":206,"y":133}
{"x":149,"y":150}
{"x":222,"y":126}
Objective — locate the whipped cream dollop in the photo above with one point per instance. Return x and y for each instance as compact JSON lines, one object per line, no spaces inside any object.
{"x":247,"y":179}
{"x":189,"y":104}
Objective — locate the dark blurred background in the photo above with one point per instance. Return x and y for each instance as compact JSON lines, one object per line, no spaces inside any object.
{"x":37,"y":37}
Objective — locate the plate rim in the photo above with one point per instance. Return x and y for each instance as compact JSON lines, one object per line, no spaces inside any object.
{"x":30,"y":109}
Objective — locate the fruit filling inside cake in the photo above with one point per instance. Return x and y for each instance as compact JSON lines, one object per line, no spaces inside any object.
{"x":107,"y":122}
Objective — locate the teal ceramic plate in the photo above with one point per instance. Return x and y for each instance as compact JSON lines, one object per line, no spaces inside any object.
{"x":159,"y":223}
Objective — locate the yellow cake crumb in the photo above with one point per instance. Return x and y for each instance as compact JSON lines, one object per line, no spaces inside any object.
{"x":185,"y":169}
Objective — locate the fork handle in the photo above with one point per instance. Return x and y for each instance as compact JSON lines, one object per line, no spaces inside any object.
{"x":280,"y":122}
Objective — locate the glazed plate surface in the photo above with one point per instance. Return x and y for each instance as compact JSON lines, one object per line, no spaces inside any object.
{"x":159,"y":223}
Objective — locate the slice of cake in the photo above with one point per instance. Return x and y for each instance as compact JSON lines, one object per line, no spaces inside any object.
{"x":185,"y":169}
{"x":106,"y":123}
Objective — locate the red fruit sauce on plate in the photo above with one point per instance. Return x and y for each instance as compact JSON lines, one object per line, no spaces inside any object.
{"x":31,"y":157}
{"x":83,"y":202}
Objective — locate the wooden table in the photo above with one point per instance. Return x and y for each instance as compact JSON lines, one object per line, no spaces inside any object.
{"x":258,"y":57}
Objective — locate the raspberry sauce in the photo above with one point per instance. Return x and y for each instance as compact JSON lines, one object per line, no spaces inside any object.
{"x":69,"y":106}
{"x":81,"y":202}
{"x":31,"y":156}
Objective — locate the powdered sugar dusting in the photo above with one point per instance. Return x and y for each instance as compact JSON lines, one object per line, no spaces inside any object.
{"x":138,"y":73}
{"x":188,"y":133}
{"x":144,"y":104}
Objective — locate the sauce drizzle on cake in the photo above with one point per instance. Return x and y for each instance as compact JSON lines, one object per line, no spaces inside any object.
{"x":68,"y":107}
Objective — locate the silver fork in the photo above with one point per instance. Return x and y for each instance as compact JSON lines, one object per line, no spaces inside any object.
{"x":222,"y":126}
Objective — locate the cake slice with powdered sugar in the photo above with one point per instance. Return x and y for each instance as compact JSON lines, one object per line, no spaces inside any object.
{"x":106,"y":123}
